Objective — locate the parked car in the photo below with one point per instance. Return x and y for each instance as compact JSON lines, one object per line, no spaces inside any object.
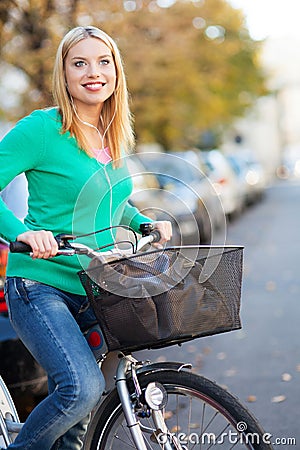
{"x":159,"y":204}
{"x":240,"y":169}
{"x":214,"y":215}
{"x":290,"y":164}
{"x":250,"y":174}
{"x":185,"y":183}
{"x":15,"y":196}
{"x":225,"y":182}
{"x":256,"y":177}
{"x":26,"y":380}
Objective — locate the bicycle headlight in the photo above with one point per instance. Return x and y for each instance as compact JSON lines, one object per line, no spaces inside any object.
{"x":156,"y":396}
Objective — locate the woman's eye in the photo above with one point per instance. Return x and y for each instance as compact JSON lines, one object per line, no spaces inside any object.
{"x":104,"y":62}
{"x":79,"y":63}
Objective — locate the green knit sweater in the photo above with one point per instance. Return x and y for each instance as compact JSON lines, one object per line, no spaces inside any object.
{"x":69,"y":192}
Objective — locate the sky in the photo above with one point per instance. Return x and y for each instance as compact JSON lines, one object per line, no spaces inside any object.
{"x":271,"y":18}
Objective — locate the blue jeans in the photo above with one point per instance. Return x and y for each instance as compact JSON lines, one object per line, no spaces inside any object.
{"x":49,"y":323}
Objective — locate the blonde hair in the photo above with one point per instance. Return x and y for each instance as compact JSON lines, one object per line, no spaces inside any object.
{"x":115,"y":114}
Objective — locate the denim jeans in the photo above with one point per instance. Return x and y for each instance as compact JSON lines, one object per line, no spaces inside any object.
{"x":49,"y":323}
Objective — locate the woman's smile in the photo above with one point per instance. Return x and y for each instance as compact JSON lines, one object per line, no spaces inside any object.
{"x":96,"y":86}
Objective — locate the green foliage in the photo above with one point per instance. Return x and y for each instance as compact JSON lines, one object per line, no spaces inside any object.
{"x":191,"y":67}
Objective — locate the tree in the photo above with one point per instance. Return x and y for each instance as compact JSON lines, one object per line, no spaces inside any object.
{"x":29,"y":33}
{"x":194,"y":68}
{"x":191,"y":67}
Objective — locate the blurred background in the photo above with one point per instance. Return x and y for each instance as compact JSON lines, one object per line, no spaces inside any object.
{"x":201,"y":73}
{"x":215,"y":93}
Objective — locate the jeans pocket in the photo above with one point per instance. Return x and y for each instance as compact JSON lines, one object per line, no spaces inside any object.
{"x":16,"y":294}
{"x":28,"y":283}
{"x":11,"y":294}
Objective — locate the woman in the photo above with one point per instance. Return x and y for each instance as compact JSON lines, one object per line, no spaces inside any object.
{"x":77,"y":182}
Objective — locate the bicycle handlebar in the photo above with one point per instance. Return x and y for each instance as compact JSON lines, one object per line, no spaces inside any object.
{"x":19,"y":247}
{"x":66,"y":248}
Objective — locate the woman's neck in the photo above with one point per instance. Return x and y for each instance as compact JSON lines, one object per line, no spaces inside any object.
{"x":90,"y":115}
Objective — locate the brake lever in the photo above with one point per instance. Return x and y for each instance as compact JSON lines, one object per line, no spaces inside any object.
{"x":63,"y":240}
{"x":81,"y":249}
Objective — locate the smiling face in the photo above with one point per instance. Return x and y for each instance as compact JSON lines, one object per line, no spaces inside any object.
{"x":90,"y":74}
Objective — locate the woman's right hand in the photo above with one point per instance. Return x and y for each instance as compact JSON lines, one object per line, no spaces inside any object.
{"x":42,"y":243}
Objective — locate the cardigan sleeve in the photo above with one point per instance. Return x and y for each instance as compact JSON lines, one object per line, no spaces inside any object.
{"x":133,"y":218}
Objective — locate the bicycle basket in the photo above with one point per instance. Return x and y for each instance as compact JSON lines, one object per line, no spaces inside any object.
{"x":164,"y":297}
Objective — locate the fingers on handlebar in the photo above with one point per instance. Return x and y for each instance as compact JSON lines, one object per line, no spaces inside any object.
{"x":41,"y":244}
{"x":164,"y":227}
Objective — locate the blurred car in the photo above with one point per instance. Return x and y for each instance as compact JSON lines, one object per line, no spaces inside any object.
{"x":3,"y":262}
{"x":251,"y":176}
{"x":256,"y":177}
{"x":225,"y":181}
{"x":158,"y":204}
{"x":181,"y":176}
{"x":207,"y":194}
{"x":25,"y":379}
{"x":15,"y":196}
{"x":290,"y":164}
{"x":240,"y":169}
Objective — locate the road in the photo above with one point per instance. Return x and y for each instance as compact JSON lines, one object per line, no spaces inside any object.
{"x":261,"y":362}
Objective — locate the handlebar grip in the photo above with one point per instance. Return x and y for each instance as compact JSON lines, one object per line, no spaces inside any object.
{"x":19,"y":247}
{"x":156,"y":236}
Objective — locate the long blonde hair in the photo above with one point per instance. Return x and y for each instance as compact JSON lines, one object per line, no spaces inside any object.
{"x":115,"y":114}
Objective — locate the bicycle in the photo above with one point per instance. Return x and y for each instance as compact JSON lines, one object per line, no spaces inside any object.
{"x":154,"y":405}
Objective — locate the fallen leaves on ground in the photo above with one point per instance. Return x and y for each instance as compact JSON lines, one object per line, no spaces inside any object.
{"x":278,"y":399}
{"x":286,"y":377}
{"x":271,"y":286}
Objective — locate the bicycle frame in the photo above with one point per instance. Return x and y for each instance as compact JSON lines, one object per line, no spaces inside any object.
{"x":9,"y":420}
{"x":141,"y":393}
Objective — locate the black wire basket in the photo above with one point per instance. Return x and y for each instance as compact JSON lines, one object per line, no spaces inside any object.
{"x":165,"y":297}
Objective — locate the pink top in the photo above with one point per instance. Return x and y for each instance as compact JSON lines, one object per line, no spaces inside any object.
{"x":102,"y":155}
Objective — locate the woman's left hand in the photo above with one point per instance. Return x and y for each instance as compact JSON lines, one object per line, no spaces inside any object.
{"x":165,"y":229}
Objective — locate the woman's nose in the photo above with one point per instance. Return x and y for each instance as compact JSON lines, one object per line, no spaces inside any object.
{"x":94,"y":70}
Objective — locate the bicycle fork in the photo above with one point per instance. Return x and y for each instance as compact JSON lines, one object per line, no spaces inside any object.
{"x":154,"y":397}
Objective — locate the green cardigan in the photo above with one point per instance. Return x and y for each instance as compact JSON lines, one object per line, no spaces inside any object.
{"x":69,"y":192}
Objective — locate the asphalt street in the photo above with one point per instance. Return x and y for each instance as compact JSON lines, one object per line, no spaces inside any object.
{"x":261,"y":362}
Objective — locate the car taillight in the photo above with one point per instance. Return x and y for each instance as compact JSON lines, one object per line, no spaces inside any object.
{"x":3,"y":263}
{"x":3,"y":306}
{"x":3,"y":259}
